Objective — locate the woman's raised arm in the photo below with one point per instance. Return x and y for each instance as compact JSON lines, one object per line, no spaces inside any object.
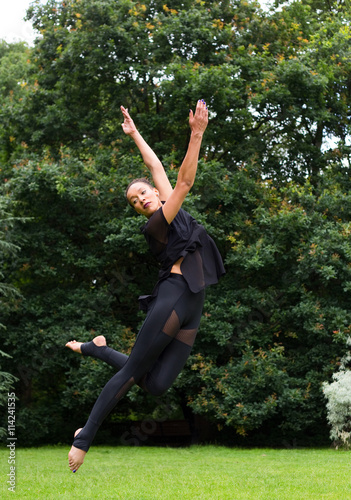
{"x":186,"y":176}
{"x":152,"y":162}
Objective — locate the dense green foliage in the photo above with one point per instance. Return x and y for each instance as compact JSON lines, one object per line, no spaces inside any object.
{"x":272,"y":189}
{"x":7,"y":291}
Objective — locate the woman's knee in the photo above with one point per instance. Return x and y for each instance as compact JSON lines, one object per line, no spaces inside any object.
{"x":157,"y":388}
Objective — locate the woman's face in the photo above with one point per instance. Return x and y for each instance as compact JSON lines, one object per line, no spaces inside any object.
{"x":143,"y":198}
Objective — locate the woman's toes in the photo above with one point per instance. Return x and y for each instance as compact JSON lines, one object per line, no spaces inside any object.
{"x":76,"y":456}
{"x":74,"y":345}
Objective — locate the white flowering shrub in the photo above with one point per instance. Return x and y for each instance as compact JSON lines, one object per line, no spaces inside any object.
{"x":338,"y":394}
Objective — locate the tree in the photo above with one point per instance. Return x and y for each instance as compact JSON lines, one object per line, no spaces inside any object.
{"x":269,"y":190}
{"x":281,"y":317}
{"x":73,"y":283}
{"x":14,"y":76}
{"x":7,"y":292}
{"x":276,"y":82}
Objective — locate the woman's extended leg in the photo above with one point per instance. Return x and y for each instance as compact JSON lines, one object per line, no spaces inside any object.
{"x":170,"y":310}
{"x":173,"y":358}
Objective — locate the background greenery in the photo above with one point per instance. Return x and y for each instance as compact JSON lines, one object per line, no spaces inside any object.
{"x":272,"y":189}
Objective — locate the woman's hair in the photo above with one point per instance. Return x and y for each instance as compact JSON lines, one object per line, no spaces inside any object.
{"x":134,"y":181}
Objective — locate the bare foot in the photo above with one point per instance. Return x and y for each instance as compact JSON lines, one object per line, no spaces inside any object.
{"x":75,"y":346}
{"x":76,"y":456}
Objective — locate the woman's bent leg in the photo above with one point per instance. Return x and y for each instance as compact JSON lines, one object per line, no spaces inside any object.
{"x":173,"y":358}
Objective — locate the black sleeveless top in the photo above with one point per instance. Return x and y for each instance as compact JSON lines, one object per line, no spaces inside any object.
{"x":183,"y":237}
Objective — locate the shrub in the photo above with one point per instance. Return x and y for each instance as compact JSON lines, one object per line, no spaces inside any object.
{"x":338,"y":394}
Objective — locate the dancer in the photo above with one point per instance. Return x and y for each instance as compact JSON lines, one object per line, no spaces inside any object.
{"x":190,"y":261}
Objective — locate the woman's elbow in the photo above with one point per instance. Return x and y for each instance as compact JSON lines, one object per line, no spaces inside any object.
{"x":186,"y":184}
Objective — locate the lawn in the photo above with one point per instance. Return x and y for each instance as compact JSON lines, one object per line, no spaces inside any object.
{"x":197,"y":472}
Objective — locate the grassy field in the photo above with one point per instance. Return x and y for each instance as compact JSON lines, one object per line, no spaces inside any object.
{"x":198,"y":472}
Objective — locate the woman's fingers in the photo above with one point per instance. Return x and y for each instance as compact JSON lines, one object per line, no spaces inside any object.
{"x":125,"y":113}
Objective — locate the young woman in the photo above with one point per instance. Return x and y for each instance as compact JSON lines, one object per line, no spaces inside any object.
{"x":190,"y":261}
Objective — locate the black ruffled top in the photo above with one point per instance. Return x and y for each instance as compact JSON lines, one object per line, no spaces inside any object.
{"x":183,"y":237}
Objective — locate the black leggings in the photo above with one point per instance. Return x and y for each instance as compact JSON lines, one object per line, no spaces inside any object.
{"x":160,"y":351}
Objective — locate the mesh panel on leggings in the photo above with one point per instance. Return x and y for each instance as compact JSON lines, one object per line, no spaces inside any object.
{"x":172,"y":325}
{"x":125,"y":388}
{"x":187,"y":336}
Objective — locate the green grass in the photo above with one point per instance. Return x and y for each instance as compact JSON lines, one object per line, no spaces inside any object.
{"x":198,"y":472}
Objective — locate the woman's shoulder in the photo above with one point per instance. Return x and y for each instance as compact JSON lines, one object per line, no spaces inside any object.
{"x":184,"y":216}
{"x":156,"y":227}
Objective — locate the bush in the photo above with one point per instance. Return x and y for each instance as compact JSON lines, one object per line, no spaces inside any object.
{"x":339,"y":405}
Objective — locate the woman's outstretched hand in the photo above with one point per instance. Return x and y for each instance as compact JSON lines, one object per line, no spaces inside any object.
{"x":128,"y":124}
{"x":198,"y":121}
